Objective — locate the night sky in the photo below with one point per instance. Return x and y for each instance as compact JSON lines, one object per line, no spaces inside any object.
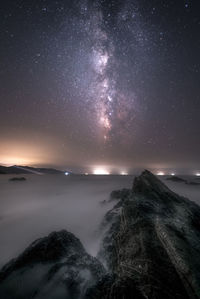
{"x":114,"y":83}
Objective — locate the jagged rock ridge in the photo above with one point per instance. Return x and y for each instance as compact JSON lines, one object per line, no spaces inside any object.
{"x":153,"y":243}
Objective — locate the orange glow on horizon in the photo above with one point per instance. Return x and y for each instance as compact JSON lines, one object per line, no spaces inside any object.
{"x":29,"y":152}
{"x":11,"y":160}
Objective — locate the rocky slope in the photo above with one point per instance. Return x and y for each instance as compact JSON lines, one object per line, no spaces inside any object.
{"x":152,"y":243}
{"x":53,"y":267}
{"x":151,"y":249}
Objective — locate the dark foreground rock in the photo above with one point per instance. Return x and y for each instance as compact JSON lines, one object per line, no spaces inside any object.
{"x":53,"y":267}
{"x":151,"y":250}
{"x":119,"y":194}
{"x":17,"y":179}
{"x":152,"y":244}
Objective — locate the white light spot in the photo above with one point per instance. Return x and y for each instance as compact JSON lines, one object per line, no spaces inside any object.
{"x":100,"y":171}
{"x":66,"y":173}
{"x":124,"y":173}
{"x":198,"y":174}
{"x":160,"y":173}
{"x":172,"y":173}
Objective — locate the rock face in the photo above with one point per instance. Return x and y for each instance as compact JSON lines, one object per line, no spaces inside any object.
{"x":152,"y":244}
{"x":151,"y":249}
{"x":17,"y":179}
{"x":53,"y":267}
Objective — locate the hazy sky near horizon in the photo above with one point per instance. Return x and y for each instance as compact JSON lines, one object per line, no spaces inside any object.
{"x":100,"y":83}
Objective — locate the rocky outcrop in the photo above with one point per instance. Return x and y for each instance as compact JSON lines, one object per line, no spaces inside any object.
{"x":176,"y":179}
{"x":152,"y":245}
{"x":53,"y":267}
{"x":17,"y":179}
{"x":151,"y":249}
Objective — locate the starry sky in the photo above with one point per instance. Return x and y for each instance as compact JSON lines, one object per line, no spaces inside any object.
{"x":87,"y":83}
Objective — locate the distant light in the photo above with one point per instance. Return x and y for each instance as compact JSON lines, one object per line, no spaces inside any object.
{"x":86,"y":173}
{"x":66,"y":173}
{"x":100,"y":171}
{"x":124,"y":173}
{"x":198,"y":174}
{"x":160,"y":173}
{"x":172,"y":173}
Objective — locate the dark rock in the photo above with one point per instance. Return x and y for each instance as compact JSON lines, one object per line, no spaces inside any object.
{"x":176,"y":179}
{"x":152,"y":244}
{"x":53,"y":267}
{"x":147,"y":183}
{"x":120,"y":194}
{"x":15,"y":179}
{"x":114,"y":287}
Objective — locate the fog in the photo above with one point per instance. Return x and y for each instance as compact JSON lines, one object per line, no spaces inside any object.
{"x":43,"y":203}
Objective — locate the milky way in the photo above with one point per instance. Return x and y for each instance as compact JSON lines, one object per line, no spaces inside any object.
{"x":112,"y":107}
{"x":100,"y":83}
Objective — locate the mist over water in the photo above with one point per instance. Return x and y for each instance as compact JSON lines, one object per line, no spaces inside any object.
{"x":42,"y":204}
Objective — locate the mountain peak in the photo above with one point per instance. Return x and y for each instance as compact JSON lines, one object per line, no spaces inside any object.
{"x":147,"y":182}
